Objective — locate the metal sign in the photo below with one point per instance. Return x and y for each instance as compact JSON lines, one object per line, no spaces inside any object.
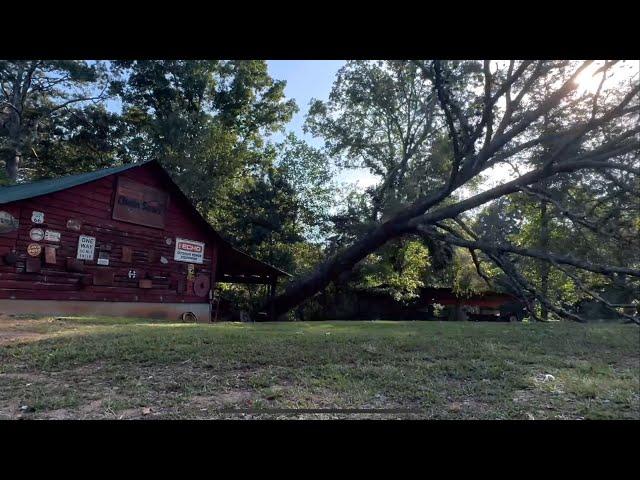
{"x":50,"y":254}
{"x":37,"y":217}
{"x":51,"y":236}
{"x":34,"y":249}
{"x":73,"y":224}
{"x":103,"y":258}
{"x":7,"y":222}
{"x":36,"y":234}
{"x":86,"y":247}
{"x":140,"y":204}
{"x":189,"y":251}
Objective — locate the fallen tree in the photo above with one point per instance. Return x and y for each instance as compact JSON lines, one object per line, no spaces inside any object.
{"x":497,"y":120}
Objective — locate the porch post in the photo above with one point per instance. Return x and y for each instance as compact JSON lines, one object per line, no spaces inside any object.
{"x":272,"y":295}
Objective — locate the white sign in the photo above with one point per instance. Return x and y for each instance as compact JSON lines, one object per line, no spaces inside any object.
{"x":86,"y":247}
{"x":51,"y":236}
{"x":37,"y":217}
{"x":103,"y":258}
{"x":189,"y":251}
{"x":36,"y":234}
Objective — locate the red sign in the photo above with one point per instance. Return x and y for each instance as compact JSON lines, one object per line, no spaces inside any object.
{"x":188,"y":251}
{"x":138,"y":203}
{"x":189,"y":247}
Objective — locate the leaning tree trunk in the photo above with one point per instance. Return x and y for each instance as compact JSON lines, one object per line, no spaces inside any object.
{"x":331,"y":269}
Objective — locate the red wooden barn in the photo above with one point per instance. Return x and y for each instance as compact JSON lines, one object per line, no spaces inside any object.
{"x":119,"y":241}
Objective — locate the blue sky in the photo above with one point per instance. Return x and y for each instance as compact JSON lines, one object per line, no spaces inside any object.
{"x":307,"y":79}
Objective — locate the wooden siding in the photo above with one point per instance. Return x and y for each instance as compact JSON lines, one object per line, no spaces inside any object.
{"x":92,"y":204}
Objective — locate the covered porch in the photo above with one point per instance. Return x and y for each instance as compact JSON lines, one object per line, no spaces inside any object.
{"x":238,"y":267}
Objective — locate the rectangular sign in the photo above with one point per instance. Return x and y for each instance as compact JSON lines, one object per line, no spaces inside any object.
{"x":140,"y":204}
{"x":86,"y":247}
{"x":51,"y":236}
{"x":189,"y":251}
{"x":50,"y":254}
{"x":103,"y":258}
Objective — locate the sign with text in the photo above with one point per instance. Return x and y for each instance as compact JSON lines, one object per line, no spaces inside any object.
{"x":86,"y":247}
{"x":51,"y":236}
{"x":189,"y":251}
{"x":37,"y":217}
{"x":140,"y":204}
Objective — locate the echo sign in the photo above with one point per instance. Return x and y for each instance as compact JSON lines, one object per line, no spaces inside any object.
{"x":189,"y":251}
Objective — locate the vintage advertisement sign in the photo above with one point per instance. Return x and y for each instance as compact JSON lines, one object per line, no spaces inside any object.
{"x":36,"y":234}
{"x":86,"y":247}
{"x":37,"y":217}
{"x":140,"y":204}
{"x":34,"y":249}
{"x":189,"y":251}
{"x":51,"y":236}
{"x":7,"y":222}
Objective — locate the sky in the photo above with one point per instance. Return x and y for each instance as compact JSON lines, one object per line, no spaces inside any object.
{"x":306,"y":80}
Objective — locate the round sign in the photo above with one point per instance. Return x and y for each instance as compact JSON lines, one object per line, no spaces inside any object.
{"x":201,"y":286}
{"x":34,"y":249}
{"x":36,"y":234}
{"x":168,"y":240}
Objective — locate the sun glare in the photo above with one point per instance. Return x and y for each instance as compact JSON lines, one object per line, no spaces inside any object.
{"x":589,"y":80}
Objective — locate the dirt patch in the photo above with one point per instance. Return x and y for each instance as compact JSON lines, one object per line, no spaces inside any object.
{"x":10,"y":337}
{"x":15,"y":329}
{"x":236,"y":397}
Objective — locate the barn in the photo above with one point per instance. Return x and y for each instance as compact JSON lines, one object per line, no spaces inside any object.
{"x":119,"y":241}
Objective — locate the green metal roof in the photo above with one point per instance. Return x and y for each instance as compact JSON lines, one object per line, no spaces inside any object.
{"x":22,"y":191}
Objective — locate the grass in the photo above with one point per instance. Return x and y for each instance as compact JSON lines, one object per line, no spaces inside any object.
{"x":94,"y":367}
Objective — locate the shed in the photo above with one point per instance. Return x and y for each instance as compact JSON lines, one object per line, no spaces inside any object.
{"x":120,"y":241}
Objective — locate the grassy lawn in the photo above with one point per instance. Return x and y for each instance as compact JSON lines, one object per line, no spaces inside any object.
{"x":131,"y":368}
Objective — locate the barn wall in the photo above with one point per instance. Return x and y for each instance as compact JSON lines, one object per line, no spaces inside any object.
{"x":92,"y":204}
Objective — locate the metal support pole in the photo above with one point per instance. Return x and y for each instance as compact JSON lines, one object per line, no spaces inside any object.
{"x":272,"y":296}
